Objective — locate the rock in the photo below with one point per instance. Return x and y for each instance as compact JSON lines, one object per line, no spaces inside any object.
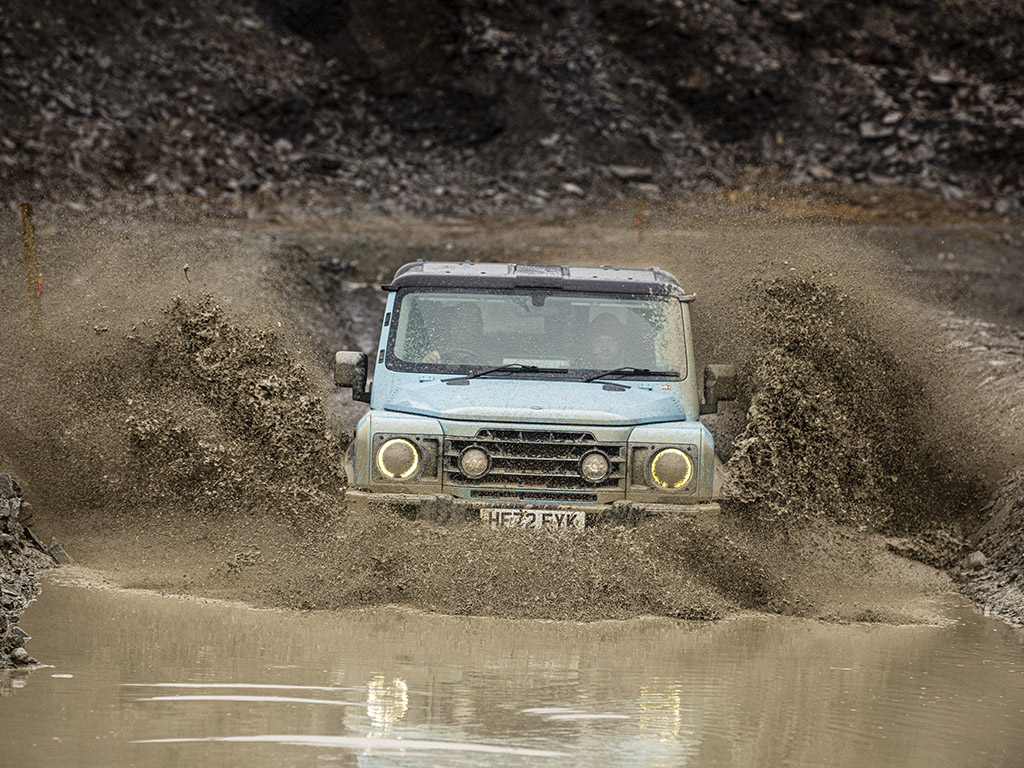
{"x":19,"y":632}
{"x":7,"y":540}
{"x":26,"y":513}
{"x":630,"y":173}
{"x":951,"y":192}
{"x":820,"y":172}
{"x":57,"y":552}
{"x":572,"y":189}
{"x":7,"y":487}
{"x":974,"y":561}
{"x":870,"y":130}
{"x":20,"y":656}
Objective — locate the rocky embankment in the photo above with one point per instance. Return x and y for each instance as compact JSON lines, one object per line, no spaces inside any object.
{"x":480,"y":106}
{"x":991,"y":574}
{"x":20,"y":557}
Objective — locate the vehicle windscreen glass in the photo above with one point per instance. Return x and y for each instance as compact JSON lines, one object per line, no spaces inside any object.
{"x":561,"y":334}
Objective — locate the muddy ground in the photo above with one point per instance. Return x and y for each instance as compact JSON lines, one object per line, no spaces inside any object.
{"x":177,"y":429}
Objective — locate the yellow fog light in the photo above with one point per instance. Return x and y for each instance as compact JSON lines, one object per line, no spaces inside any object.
{"x":474,"y":463}
{"x":671,"y":468}
{"x":397,"y":458}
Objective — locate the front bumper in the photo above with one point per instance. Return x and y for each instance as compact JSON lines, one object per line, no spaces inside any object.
{"x":443,"y":509}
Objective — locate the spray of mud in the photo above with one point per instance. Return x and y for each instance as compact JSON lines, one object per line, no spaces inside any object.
{"x":137,"y":409}
{"x":838,"y":422}
{"x":182,"y":443}
{"x":854,"y":408}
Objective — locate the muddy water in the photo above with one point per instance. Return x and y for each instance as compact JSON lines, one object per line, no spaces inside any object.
{"x":141,"y":679}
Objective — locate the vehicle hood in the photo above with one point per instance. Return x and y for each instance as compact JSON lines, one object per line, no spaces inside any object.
{"x":518,"y":400}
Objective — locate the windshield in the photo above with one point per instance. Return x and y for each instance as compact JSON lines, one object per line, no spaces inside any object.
{"x":554,"y":334}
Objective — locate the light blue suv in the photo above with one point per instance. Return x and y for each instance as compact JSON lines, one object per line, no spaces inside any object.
{"x":533,"y":395}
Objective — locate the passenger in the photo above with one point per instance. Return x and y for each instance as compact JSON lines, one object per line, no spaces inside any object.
{"x":604,"y":341}
{"x":462,"y":340}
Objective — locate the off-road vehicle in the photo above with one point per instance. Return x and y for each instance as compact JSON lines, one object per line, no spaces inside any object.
{"x":533,"y":395}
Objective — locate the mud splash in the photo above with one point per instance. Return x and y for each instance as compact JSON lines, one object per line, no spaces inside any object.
{"x":186,"y":447}
{"x":232,"y":485}
{"x":839,"y":425}
{"x":224,"y":412}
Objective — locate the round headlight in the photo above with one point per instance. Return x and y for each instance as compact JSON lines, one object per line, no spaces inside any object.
{"x":474,"y":463}
{"x":671,"y":468}
{"x":595,"y":467}
{"x":397,"y":458}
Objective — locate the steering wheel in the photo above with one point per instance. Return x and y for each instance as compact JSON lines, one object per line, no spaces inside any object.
{"x":463,"y":356}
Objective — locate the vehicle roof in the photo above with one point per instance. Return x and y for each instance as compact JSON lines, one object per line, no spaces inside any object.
{"x":470,"y":274}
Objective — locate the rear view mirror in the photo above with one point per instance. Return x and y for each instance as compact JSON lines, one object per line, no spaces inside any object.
{"x":350,"y":371}
{"x":719,"y":384}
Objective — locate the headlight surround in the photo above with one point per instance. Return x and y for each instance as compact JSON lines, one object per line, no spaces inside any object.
{"x":474,"y":462}
{"x":595,"y":467}
{"x":397,"y":458}
{"x":671,"y":468}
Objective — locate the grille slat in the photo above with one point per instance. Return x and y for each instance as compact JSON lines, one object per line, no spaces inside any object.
{"x":518,"y":474}
{"x":536,"y":495}
{"x":528,"y":462}
{"x":539,"y":441}
{"x":454,"y":456}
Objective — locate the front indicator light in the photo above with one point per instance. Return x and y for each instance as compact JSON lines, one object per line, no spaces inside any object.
{"x":671,"y":468}
{"x":595,"y":467}
{"x":474,"y":463}
{"x":397,"y":458}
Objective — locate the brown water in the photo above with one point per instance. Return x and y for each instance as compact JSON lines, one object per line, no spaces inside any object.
{"x":141,"y":679}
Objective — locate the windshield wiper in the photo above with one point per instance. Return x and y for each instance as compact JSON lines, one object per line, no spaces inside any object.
{"x":628,"y":369}
{"x":509,"y":368}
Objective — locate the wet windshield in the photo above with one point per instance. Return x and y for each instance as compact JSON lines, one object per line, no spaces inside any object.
{"x":559,"y":334}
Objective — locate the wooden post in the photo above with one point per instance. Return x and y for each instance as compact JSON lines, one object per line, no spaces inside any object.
{"x":33,"y":275}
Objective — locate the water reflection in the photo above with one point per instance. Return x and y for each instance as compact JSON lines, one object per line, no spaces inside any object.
{"x":251,"y":699}
{"x":370,"y":745}
{"x":664,"y":717}
{"x":387,"y":702}
{"x":389,"y":688}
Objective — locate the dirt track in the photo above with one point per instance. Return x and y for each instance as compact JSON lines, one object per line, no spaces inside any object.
{"x":182,"y":443}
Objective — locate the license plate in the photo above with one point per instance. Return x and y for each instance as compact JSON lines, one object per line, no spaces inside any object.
{"x":533,"y":518}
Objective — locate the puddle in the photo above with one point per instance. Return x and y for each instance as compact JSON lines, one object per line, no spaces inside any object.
{"x":141,"y":679}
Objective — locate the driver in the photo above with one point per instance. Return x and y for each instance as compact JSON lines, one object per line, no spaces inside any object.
{"x":604,"y":341}
{"x":464,"y":340}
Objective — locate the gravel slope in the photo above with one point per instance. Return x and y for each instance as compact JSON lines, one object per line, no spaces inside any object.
{"x":481,"y":105}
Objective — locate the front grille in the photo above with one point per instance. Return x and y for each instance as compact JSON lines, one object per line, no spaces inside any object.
{"x":530,"y":459}
{"x":533,"y":494}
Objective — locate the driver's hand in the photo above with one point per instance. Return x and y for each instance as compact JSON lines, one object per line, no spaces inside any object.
{"x":433,"y":356}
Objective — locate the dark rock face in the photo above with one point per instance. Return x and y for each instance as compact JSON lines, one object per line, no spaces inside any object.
{"x":19,"y":559}
{"x":479,"y":105}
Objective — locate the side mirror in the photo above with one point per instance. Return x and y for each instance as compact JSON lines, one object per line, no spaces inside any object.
{"x":350,"y":371}
{"x":719,"y":384}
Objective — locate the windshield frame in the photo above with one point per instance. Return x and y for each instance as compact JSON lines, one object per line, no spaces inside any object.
{"x":396,"y":364}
